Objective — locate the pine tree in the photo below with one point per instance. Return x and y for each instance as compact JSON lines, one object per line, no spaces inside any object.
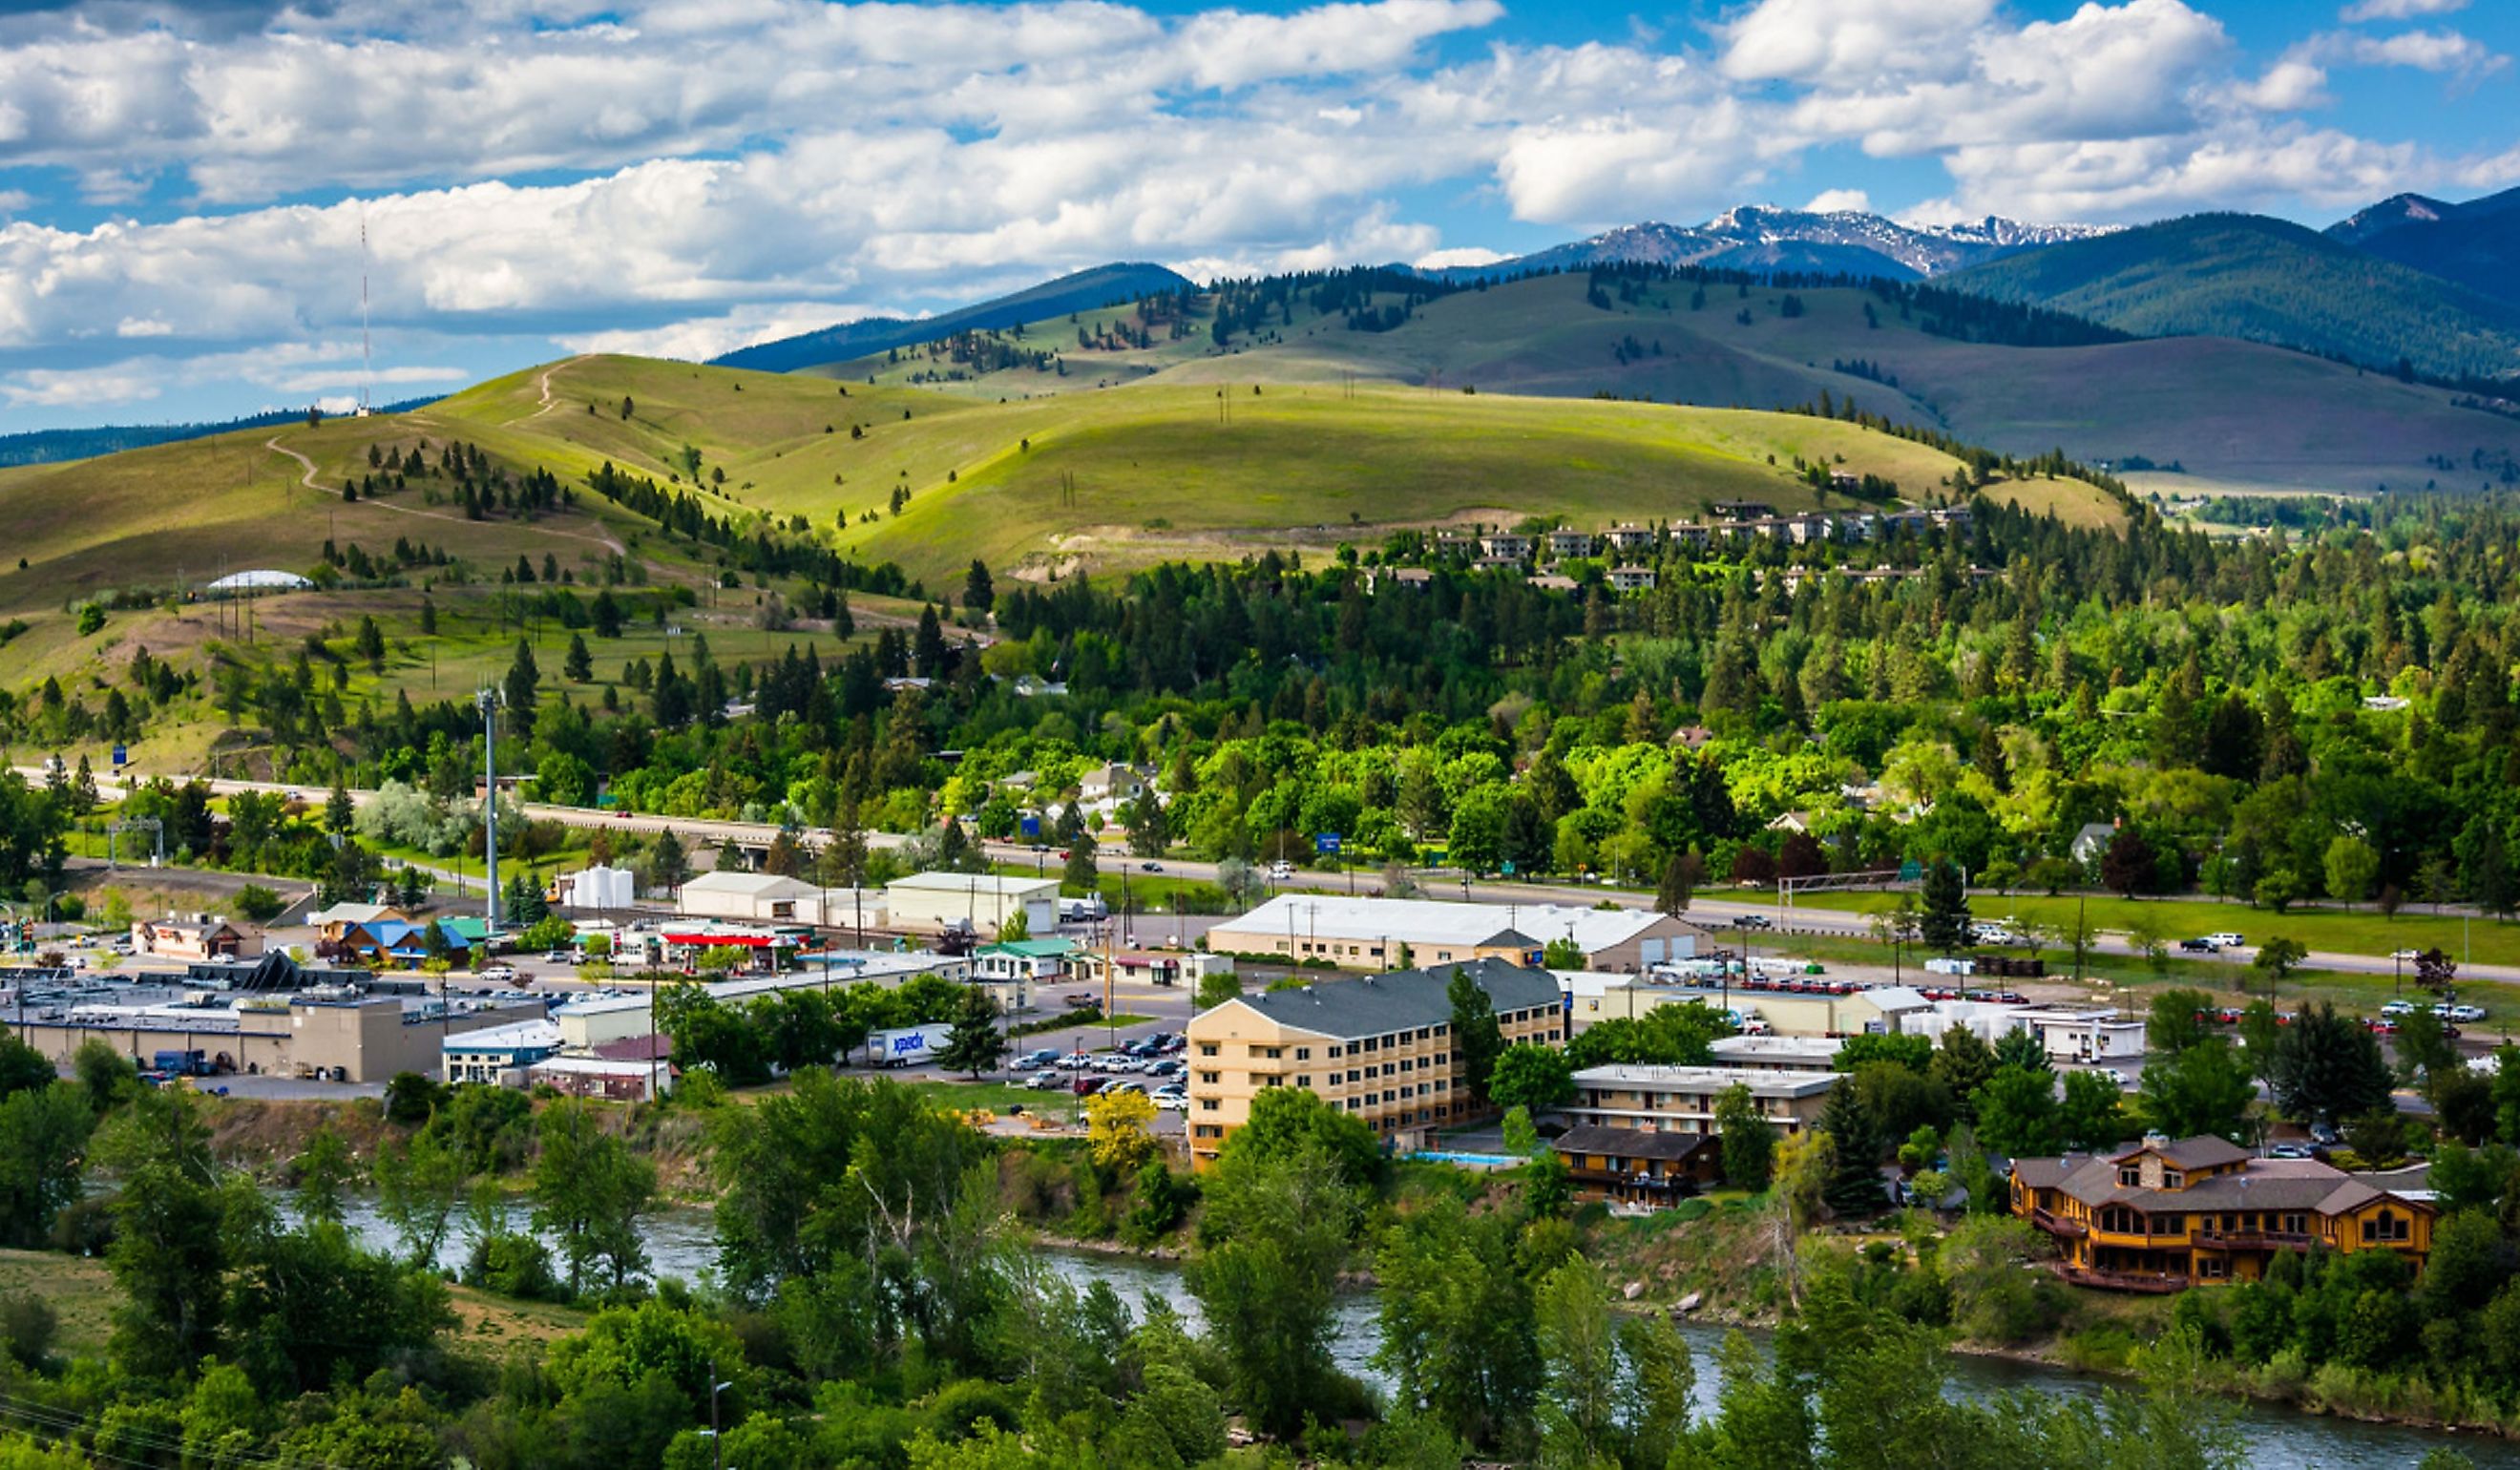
{"x":668,"y":866}
{"x":976,"y":1046}
{"x":1672,"y":897}
{"x":371,"y":644}
{"x":1082,"y":876}
{"x":1945,"y":924}
{"x":1854,"y":1188}
{"x":578,"y":664}
{"x":522,"y":685}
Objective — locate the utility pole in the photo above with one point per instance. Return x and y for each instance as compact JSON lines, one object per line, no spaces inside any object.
{"x":489,"y":700}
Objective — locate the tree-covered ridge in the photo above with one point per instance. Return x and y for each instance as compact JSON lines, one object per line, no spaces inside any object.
{"x":2245,"y":276}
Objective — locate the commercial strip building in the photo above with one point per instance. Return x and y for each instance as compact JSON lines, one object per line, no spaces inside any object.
{"x":1682,"y":1099}
{"x":929,"y":903}
{"x":602,"y":1020}
{"x":335,"y":1033}
{"x":1378,"y":1047}
{"x":1778,"y":1054}
{"x":1370,"y":933}
{"x":766,"y":898}
{"x":204,"y":936}
{"x":2163,"y":1215}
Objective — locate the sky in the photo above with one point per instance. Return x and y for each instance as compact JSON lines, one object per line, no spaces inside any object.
{"x":183,"y":187}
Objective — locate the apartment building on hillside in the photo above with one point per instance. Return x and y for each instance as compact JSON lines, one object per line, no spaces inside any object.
{"x":1379,"y":1046}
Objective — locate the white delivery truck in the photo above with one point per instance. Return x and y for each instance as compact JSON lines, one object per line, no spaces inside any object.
{"x":908,"y":1046}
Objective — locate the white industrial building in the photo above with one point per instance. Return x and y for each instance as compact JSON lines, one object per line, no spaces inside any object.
{"x":766,"y":898}
{"x":931,"y":902}
{"x":1365,"y":933}
{"x":602,"y":1020}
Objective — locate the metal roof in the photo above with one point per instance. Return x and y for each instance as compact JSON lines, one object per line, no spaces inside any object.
{"x":1399,"y":1001}
{"x":1426,"y":922}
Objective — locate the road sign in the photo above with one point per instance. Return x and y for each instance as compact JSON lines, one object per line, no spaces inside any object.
{"x":1506,"y":867}
{"x":1032,"y":826}
{"x":1910,"y":871}
{"x":1327,"y":842}
{"x":121,"y":756}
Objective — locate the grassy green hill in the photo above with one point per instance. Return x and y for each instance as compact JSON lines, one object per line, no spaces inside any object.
{"x":1160,"y":468}
{"x":2262,"y":280}
{"x":2231,"y":412}
{"x":1168,"y":468}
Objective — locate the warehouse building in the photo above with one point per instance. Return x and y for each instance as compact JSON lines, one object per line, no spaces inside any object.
{"x":766,"y":898}
{"x":929,"y":903}
{"x":1371,"y":933}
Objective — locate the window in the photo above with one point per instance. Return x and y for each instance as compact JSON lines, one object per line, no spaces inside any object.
{"x":2130,"y":1177}
{"x":1303,"y":1081}
{"x":1210,"y":1079}
{"x":1210,"y":1131}
{"x":1273,"y":1052}
{"x":2171,"y":1179}
{"x":1303,"y":1053}
{"x":1333,"y":1053}
{"x":1207,"y":1104}
{"x":2386,"y":1228}
{"x":1207,"y":1048}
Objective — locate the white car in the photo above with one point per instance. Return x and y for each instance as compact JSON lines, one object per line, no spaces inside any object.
{"x":1173,"y":1103}
{"x":2226,"y":940}
{"x":501,"y":974}
{"x":2399,"y":1009}
{"x":2461,"y":1013}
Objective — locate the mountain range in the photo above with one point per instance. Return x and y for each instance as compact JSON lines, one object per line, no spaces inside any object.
{"x":1765,"y":238}
{"x":2475,"y":245}
{"x":1103,"y":286}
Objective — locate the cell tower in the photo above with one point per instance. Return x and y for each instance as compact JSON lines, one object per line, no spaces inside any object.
{"x":367,"y":365}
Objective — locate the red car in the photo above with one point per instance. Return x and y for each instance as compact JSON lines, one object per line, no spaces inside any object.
{"x":1087,"y":1087}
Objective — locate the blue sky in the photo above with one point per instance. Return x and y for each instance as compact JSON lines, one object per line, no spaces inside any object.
{"x":182,"y":187}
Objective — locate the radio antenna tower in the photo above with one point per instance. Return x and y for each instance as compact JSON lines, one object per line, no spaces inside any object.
{"x":367,"y":364}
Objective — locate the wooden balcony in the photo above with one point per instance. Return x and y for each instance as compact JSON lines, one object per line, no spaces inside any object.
{"x":2255,"y":1241}
{"x":2157,"y":1283}
{"x":2057,"y":1224}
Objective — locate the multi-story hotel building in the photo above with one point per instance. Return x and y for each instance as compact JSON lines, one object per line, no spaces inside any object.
{"x":1378,"y":1047}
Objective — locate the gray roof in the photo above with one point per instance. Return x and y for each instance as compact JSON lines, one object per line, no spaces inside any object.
{"x":2203,"y":1151}
{"x":1399,"y":1001}
{"x":1630,"y":1142}
{"x":2263,"y":1184}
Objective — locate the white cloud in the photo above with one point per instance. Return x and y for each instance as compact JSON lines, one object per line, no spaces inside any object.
{"x":2442,"y":51}
{"x":1821,"y":40}
{"x":683,"y":177}
{"x":57,"y":387}
{"x":1840,"y":200}
{"x":700,"y":338}
{"x":1459,"y":255}
{"x":2287,"y":86}
{"x":2398,"y":10}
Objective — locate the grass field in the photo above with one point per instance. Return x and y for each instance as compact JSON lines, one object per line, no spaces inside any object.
{"x":2333,"y":930}
{"x":2230,"y":411}
{"x":82,"y":1293}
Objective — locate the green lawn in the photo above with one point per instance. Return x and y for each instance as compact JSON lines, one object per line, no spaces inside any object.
{"x":2362,"y":931}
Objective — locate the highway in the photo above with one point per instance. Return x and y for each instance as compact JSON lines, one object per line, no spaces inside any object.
{"x":1715,"y":912}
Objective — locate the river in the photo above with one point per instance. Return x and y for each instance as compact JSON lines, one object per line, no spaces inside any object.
{"x":681,"y":1243}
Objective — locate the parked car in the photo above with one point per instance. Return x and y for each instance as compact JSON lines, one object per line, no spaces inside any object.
{"x":2400,"y":1009}
{"x":502,"y":973}
{"x":1078,"y":1000}
{"x":2324,"y":1135}
{"x":1165,"y":1069}
{"x":2290,"y":1151}
{"x":2382,"y":1026}
{"x":1125,"y":1086}
{"x":2200,"y":947}
{"x":1046,"y":1082}
{"x":1173,"y":1103}
{"x":1035,"y":1060}
{"x":2470,"y":1013}
{"x":1087,"y":1087}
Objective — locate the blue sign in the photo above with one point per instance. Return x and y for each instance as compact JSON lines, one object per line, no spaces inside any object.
{"x":1032,"y":827}
{"x":1327,"y":842}
{"x":1506,"y":867}
{"x":1910,"y":871}
{"x":906,"y":1045}
{"x":121,"y":756}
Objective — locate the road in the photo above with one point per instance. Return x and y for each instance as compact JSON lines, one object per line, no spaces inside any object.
{"x":1715,"y":912}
